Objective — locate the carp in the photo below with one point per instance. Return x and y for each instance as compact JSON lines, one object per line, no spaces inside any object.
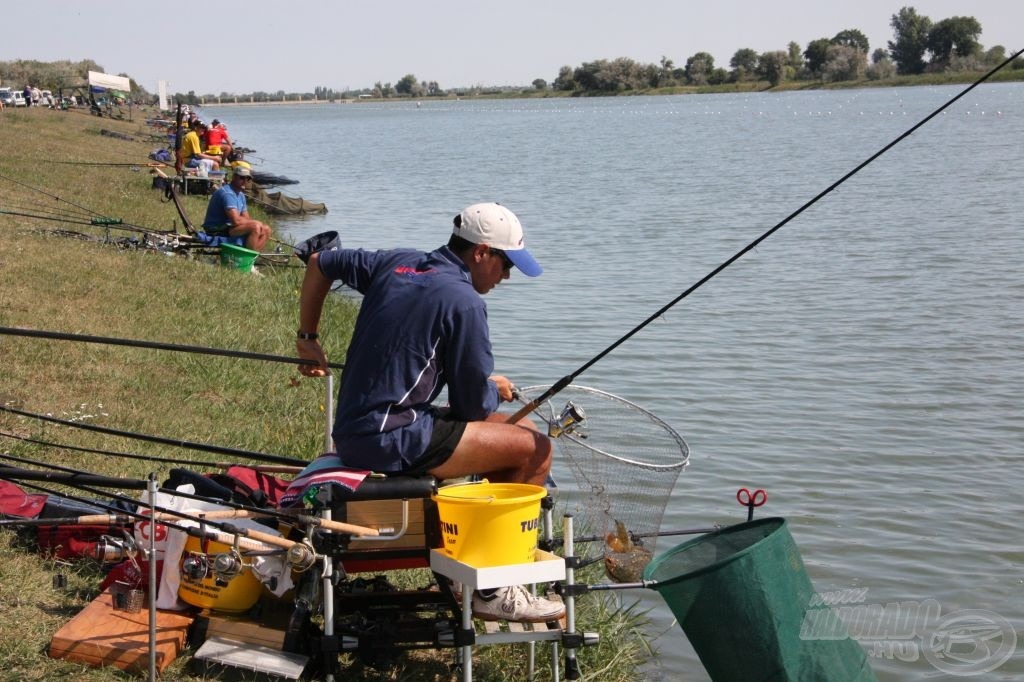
{"x":624,"y":560}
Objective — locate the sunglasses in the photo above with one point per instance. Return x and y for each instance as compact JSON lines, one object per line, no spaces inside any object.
{"x":506,"y":262}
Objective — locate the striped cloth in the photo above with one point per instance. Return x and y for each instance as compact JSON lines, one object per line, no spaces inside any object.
{"x":326,"y":469}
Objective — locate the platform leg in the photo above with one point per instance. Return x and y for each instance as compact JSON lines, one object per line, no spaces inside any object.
{"x":467,"y":625}
{"x":572,"y":670}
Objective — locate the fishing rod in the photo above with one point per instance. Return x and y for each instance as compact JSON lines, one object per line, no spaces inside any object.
{"x":566,"y":380}
{"x":253,"y":539}
{"x":52,"y":196}
{"x":158,"y":345}
{"x":99,"y":219}
{"x":83,"y":480}
{"x":266,"y":468}
{"x":203,"y":447}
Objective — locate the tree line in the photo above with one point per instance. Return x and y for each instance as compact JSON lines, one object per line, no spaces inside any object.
{"x":919,"y":45}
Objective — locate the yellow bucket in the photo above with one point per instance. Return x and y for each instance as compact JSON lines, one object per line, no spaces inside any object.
{"x":490,"y":524}
{"x":203,"y":589}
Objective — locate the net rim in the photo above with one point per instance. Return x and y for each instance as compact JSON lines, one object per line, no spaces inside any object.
{"x":683,"y":447}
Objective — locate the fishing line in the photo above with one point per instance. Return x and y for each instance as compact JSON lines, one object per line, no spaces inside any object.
{"x":566,"y":380}
{"x":203,"y":447}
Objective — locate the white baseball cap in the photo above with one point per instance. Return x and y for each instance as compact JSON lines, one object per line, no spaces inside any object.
{"x":499,"y":228}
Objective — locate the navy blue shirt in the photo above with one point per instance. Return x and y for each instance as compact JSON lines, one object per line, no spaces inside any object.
{"x":421,"y":327}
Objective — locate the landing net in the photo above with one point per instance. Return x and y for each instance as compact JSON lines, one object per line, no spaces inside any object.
{"x":624,"y":459}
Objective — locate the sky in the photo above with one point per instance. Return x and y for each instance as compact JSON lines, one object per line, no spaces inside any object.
{"x":298,"y":45}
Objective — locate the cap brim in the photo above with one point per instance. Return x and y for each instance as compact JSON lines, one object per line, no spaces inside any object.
{"x":524,"y":262}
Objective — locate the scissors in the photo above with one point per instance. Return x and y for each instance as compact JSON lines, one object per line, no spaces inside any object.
{"x":751,"y":499}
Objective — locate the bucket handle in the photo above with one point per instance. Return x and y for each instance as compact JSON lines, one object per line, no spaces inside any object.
{"x":488,"y":498}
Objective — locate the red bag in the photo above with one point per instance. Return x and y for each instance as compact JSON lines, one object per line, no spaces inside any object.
{"x":16,"y":502}
{"x":68,"y":542}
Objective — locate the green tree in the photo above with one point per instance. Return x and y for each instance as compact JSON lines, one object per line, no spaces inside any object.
{"x":994,"y":55}
{"x":816,"y":54}
{"x":743,"y":63}
{"x":771,"y":66}
{"x":953,"y":37}
{"x":666,"y":73}
{"x":406,"y":85}
{"x":843,"y":63}
{"x":565,"y":81}
{"x":699,"y":68}
{"x":910,"y":40}
{"x":851,"y":37}
{"x":796,"y":57}
{"x":881,"y":66}
{"x":540,"y":84}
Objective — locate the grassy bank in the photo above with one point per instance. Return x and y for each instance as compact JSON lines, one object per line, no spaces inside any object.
{"x":52,"y":281}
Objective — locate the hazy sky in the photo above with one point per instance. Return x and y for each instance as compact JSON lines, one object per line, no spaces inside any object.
{"x":296,"y":45}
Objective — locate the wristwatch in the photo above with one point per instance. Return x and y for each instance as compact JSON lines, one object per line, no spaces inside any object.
{"x":307,"y":336}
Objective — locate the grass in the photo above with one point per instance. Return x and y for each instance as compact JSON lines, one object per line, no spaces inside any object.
{"x":52,"y":282}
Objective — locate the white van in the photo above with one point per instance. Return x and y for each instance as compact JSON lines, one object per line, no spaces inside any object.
{"x":19,"y":98}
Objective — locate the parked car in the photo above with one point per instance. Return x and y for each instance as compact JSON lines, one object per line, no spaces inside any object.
{"x":46,"y":98}
{"x":19,"y":99}
{"x":7,"y":97}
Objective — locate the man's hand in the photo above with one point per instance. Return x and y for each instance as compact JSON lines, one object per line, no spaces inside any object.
{"x":310,"y":350}
{"x":505,"y":387}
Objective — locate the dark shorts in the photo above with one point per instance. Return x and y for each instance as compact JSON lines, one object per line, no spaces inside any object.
{"x":446,"y":435}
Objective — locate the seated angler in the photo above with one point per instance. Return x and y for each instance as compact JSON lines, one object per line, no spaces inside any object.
{"x":228,"y":213}
{"x":191,"y":154}
{"x":217,"y":141}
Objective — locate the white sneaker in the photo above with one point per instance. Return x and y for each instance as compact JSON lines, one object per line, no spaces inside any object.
{"x":515,"y":604}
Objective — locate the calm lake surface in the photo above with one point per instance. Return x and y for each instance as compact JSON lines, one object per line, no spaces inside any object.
{"x":864,"y":365}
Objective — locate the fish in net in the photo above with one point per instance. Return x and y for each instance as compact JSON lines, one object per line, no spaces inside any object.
{"x":625,"y":462}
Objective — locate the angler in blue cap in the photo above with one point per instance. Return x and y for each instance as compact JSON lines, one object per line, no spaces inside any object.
{"x":423,"y":326}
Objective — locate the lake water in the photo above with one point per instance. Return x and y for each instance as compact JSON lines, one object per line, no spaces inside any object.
{"x":864,"y":365}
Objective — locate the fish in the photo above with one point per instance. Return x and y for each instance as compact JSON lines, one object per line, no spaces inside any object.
{"x":624,"y":560}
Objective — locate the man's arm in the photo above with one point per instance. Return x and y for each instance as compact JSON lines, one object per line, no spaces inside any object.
{"x":315,"y":287}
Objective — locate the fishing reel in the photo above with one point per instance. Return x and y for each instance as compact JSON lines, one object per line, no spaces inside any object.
{"x":227,"y":565}
{"x":114,"y":550}
{"x":195,"y":566}
{"x":300,"y":557}
{"x":572,"y":415}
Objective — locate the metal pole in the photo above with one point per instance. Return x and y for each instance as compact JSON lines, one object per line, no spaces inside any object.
{"x":329,"y":416}
{"x":572,"y":669}
{"x":153,"y":487}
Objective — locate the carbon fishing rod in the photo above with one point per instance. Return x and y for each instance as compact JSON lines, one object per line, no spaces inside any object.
{"x":259,"y":540}
{"x":99,"y":219}
{"x":566,"y":380}
{"x":203,"y":447}
{"x":270,"y":468}
{"x":84,"y":480}
{"x":159,"y":345}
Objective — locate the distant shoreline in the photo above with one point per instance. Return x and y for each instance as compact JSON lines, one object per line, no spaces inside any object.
{"x":1005,"y":76}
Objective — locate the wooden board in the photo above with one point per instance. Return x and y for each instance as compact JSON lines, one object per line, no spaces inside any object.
{"x":387,"y":513}
{"x":269,"y":631}
{"x":103,"y":636}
